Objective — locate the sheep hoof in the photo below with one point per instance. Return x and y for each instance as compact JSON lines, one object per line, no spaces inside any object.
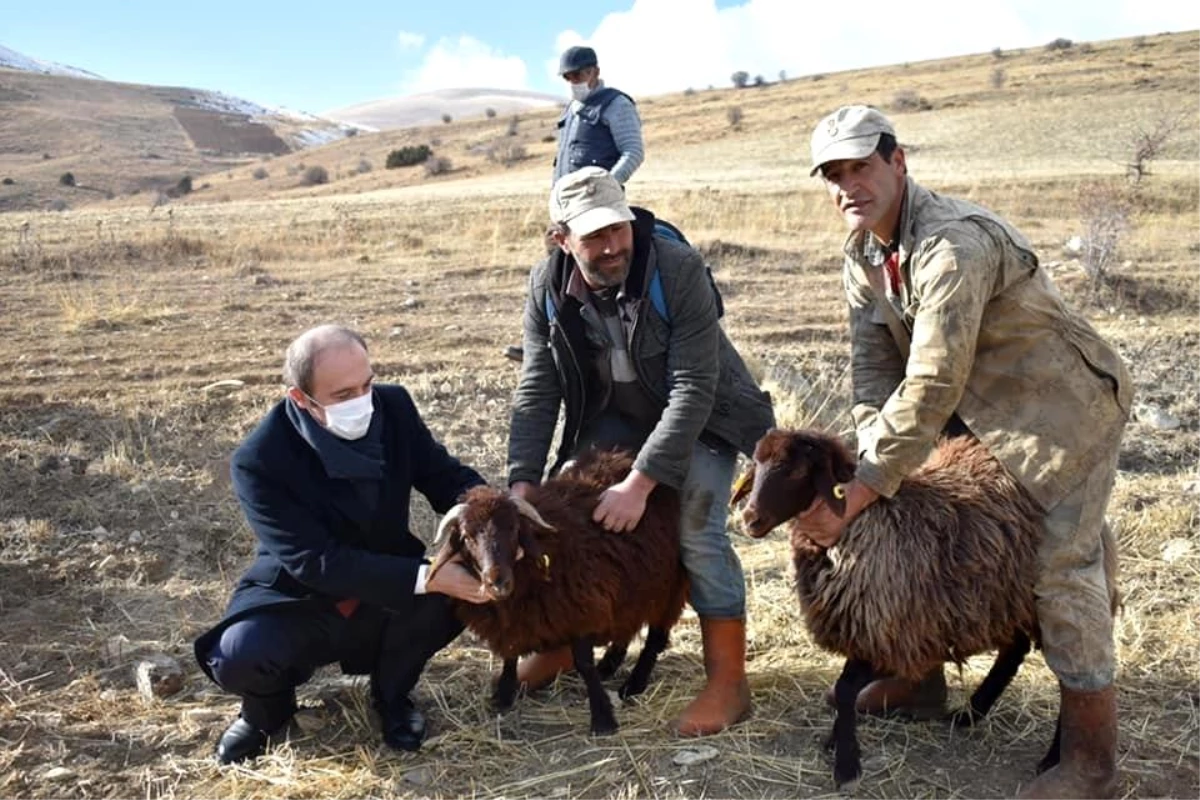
{"x":846,"y":771}
{"x":604,"y":727}
{"x":502,"y":702}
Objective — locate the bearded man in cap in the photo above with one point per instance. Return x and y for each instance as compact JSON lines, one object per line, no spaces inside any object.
{"x":661,"y":381}
{"x":957,"y":329}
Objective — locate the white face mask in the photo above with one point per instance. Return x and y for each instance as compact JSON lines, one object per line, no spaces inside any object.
{"x":349,"y":419}
{"x":580,"y":91}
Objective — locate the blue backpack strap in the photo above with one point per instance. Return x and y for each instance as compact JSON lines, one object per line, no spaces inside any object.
{"x":551,"y":311}
{"x":658,"y":299}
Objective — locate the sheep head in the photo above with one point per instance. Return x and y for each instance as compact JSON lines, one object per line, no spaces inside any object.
{"x":489,"y":532}
{"x":790,"y":470}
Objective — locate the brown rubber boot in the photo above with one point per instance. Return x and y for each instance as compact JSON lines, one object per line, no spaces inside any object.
{"x":1088,"y":748}
{"x":540,"y":669}
{"x":725,"y":699}
{"x":923,"y":699}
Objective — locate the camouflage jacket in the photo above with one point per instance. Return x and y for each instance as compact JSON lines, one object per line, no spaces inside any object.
{"x":977,"y":329}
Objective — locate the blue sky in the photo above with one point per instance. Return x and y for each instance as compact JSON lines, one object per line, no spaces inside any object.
{"x":316,"y":57}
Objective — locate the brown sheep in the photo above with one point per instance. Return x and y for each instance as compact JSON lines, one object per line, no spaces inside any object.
{"x":557,"y":578}
{"x":942,"y":571}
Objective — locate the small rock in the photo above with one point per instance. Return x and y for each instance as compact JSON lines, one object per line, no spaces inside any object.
{"x":1155,"y":417}
{"x":411,"y":302}
{"x":1176,"y":549}
{"x":99,"y":531}
{"x":696,"y":755}
{"x":309,"y":720}
{"x":364,"y":259}
{"x":421,"y":776}
{"x":1074,"y":245}
{"x":158,"y":676}
{"x":396,"y":333}
{"x":58,"y":774}
{"x":451,"y":327}
{"x":136,"y":538}
{"x":47,"y":465}
{"x":410,"y":283}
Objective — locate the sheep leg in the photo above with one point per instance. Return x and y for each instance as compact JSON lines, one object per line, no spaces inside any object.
{"x":847,"y":765}
{"x":603,"y":720}
{"x":506,"y":687}
{"x":635,"y":684}
{"x":1052,"y":755}
{"x":614,"y":656}
{"x":1008,"y":661}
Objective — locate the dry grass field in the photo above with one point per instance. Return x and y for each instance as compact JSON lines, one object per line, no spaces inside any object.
{"x":140,"y":345}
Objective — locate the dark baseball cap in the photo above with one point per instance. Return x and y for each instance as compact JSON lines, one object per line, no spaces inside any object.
{"x":576,"y":58}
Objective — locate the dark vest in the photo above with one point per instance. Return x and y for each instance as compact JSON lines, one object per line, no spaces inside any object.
{"x":591,"y":143}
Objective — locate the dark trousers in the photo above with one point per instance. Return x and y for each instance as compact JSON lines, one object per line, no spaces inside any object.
{"x":263,"y":657}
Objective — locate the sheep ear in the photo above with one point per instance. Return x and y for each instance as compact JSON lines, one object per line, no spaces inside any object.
{"x":533,"y":549}
{"x":743,"y":486}
{"x":450,"y":549}
{"x":832,"y":493}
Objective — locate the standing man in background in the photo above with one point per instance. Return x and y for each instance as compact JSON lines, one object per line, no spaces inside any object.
{"x":599,"y":127}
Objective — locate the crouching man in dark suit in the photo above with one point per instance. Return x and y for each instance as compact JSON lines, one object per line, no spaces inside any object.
{"x":324,"y":482}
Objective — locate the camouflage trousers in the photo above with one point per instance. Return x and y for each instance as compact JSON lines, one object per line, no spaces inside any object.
{"x":1075,"y":589}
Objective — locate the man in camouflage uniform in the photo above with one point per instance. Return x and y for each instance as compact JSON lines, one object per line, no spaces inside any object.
{"x":955,"y":328}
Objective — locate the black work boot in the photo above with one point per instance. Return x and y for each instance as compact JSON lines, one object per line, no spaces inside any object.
{"x":402,"y":725}
{"x":241,"y":741}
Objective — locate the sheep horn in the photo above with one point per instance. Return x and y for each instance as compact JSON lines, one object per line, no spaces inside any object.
{"x":527,"y":510}
{"x":451,"y":517}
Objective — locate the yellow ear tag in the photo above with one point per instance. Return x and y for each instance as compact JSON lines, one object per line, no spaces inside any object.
{"x":545,"y":561}
{"x":839,"y":492}
{"x":746,"y":478}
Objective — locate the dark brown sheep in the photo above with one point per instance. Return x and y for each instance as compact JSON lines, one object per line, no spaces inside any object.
{"x":942,"y":571}
{"x":557,"y":578}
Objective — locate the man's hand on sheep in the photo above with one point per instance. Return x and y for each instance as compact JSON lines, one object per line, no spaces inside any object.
{"x":621,"y":506}
{"x":454,"y":580}
{"x":822,"y":524}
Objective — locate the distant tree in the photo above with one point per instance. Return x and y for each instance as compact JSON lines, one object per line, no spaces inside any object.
{"x":351,"y":132}
{"x":997,"y":53}
{"x":782,"y":76}
{"x":261,"y":173}
{"x":316,"y":174}
{"x":1148,"y":144}
{"x":184,"y":186}
{"x":66,"y":179}
{"x":490,"y":112}
{"x":759,"y":80}
{"x":688,"y":92}
{"x":1060,"y":44}
{"x":740,"y":78}
{"x":446,"y":118}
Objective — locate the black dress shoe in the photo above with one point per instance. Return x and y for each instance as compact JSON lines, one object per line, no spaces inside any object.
{"x":403,"y":726}
{"x":241,"y":741}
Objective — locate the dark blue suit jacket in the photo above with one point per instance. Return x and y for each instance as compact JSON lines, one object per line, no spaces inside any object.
{"x":317,"y":542}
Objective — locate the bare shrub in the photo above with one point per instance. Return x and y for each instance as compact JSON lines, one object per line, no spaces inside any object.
{"x":1105,"y":211}
{"x":57,"y":204}
{"x":447,"y":119}
{"x":363,"y":166}
{"x":437,"y":165}
{"x":997,"y":53}
{"x":909,"y":100}
{"x":506,"y":153}
{"x":314,"y":175}
{"x":8,"y":181}
{"x":514,"y":125}
{"x":260,"y":174}
{"x":66,"y":179}
{"x":998,"y":77}
{"x":734,"y":115}
{"x":1148,"y":144}
{"x":1059,"y":44}
{"x":490,"y":113}
{"x":408,"y":156}
{"x":688,"y":92}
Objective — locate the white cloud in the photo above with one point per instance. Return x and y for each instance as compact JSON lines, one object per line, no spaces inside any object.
{"x":410,"y":41}
{"x":668,"y":45}
{"x":466,"y":62}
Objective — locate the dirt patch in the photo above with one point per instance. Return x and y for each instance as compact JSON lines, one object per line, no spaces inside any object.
{"x":230,"y":134}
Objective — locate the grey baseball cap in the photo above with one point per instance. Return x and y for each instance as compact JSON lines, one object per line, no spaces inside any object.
{"x":587,"y":200}
{"x":850,"y":132}
{"x":577,"y":57}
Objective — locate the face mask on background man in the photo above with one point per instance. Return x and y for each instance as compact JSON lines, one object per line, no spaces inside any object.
{"x":580,"y":91}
